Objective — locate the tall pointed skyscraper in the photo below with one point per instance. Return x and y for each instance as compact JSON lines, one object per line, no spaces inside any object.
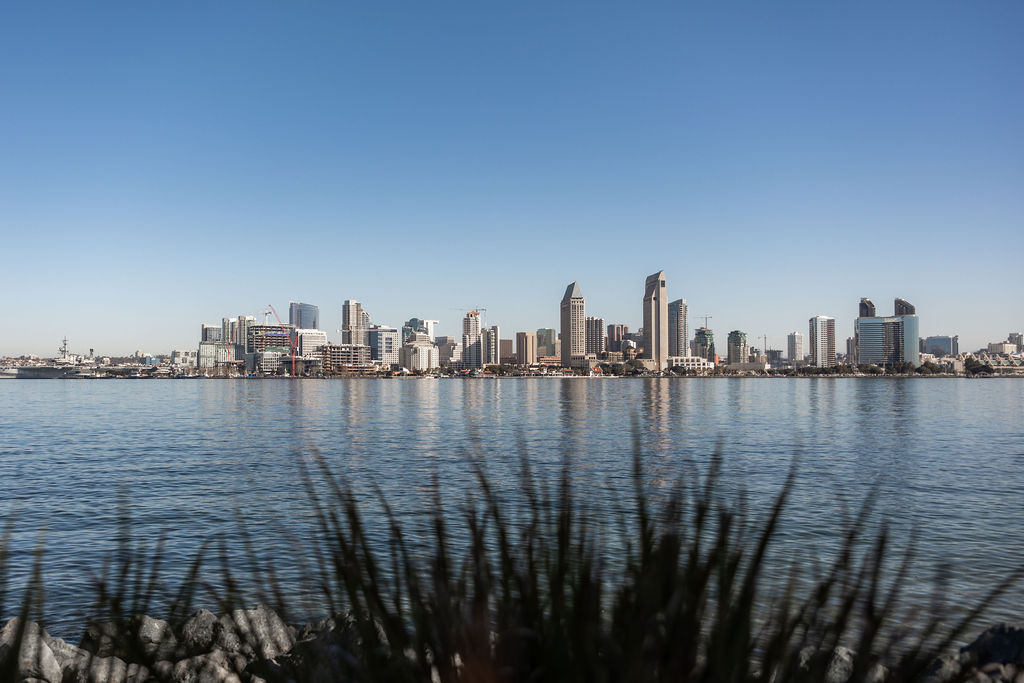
{"x":574,"y":331}
{"x":656,"y":320}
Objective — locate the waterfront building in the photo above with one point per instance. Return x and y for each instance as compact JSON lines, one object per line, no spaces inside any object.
{"x":656,"y":320}
{"x":1002,"y":348}
{"x":773,"y":357}
{"x":942,"y":346}
{"x":887,"y":340}
{"x":738,"y":349}
{"x":490,"y":346}
{"x":1016,"y":338}
{"x":526,"y":348}
{"x":212,"y":354}
{"x":261,"y":338}
{"x":449,"y":352}
{"x":210,"y":333}
{"x":508,"y":354}
{"x":354,"y":323}
{"x":851,"y":351}
{"x":697,"y":364}
{"x":616,"y":335}
{"x":546,"y":338}
{"x":795,"y":346}
{"x":341,"y":357}
{"x":704,"y":343}
{"x":309,"y":341}
{"x":419,"y":354}
{"x":303,"y":316}
{"x":678,"y":329}
{"x":573,"y":333}
{"x":822,"y":337}
{"x":384,"y":343}
{"x":595,"y":340}
{"x":185,"y":358}
{"x":472,"y":347}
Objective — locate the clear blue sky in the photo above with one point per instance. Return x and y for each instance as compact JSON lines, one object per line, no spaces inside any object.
{"x":167,"y":164}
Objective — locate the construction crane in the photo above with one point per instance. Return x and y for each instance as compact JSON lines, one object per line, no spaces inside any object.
{"x":291,"y":342}
{"x":706,"y":319}
{"x":479,"y":309}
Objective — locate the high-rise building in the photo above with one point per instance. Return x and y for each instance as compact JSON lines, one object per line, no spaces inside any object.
{"x":384,"y":343}
{"x":508,"y":354}
{"x":1014,"y":338}
{"x":309,"y":342}
{"x":574,"y":332}
{"x":414,"y":325}
{"x":354,"y":322}
{"x":472,"y":347}
{"x":942,"y":346}
{"x":303,"y":316}
{"x":526,"y":348}
{"x":418,"y":353}
{"x":546,"y":338}
{"x":822,"y":337}
{"x":678,"y":329}
{"x":795,"y":347}
{"x":595,"y":342}
{"x":260,"y":338}
{"x":616,"y":335}
{"x":704,"y":344}
{"x":851,"y":351}
{"x":656,"y":320}
{"x":490,"y":346}
{"x":867,"y":309}
{"x":738,"y":348}
{"x":211,"y":333}
{"x":887,"y":340}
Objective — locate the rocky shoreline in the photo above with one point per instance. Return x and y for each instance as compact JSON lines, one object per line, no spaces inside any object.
{"x":257,"y":646}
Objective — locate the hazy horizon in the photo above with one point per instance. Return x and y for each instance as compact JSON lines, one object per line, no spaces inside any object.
{"x":167,"y":166}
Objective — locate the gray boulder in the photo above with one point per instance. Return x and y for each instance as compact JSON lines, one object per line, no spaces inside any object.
{"x":213,"y":667}
{"x":1000,"y":644}
{"x":254,"y":633}
{"x":35,"y":659}
{"x":198,"y":633}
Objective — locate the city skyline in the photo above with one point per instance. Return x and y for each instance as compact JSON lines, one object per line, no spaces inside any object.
{"x":776,"y":162}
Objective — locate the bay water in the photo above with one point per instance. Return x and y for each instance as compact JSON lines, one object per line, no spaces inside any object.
{"x":190,"y":460}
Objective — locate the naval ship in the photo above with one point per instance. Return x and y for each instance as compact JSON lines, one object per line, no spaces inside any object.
{"x":65,"y":365}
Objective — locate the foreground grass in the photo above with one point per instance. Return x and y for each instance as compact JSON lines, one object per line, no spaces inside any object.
{"x":488,"y":598}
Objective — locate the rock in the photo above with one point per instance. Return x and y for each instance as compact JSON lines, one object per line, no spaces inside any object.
{"x":840,"y":666}
{"x":197,"y":633}
{"x":104,"y":639}
{"x":35,"y":659}
{"x":154,"y":637}
{"x":213,"y":667}
{"x":1000,"y":644}
{"x":323,"y":654}
{"x":81,"y":666}
{"x":257,"y":632}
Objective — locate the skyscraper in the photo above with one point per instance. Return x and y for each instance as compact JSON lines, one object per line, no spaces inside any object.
{"x":574,"y":332}
{"x":595,"y":335}
{"x":656,"y":320}
{"x":795,"y":343}
{"x":354,"y":322}
{"x":303,"y":316}
{"x":472,"y":347}
{"x":823,"y":341}
{"x":546,"y":337}
{"x":678,"y":329}
{"x":526,"y":348}
{"x":704,"y":344}
{"x":887,"y":341}
{"x":490,"y":345}
{"x":616,"y":333}
{"x":738,"y":349}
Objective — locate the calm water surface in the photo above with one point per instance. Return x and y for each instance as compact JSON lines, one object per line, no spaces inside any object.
{"x":187,"y":459}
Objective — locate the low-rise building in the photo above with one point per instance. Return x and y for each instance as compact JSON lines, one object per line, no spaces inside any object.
{"x":691,"y":363}
{"x":342,"y":357}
